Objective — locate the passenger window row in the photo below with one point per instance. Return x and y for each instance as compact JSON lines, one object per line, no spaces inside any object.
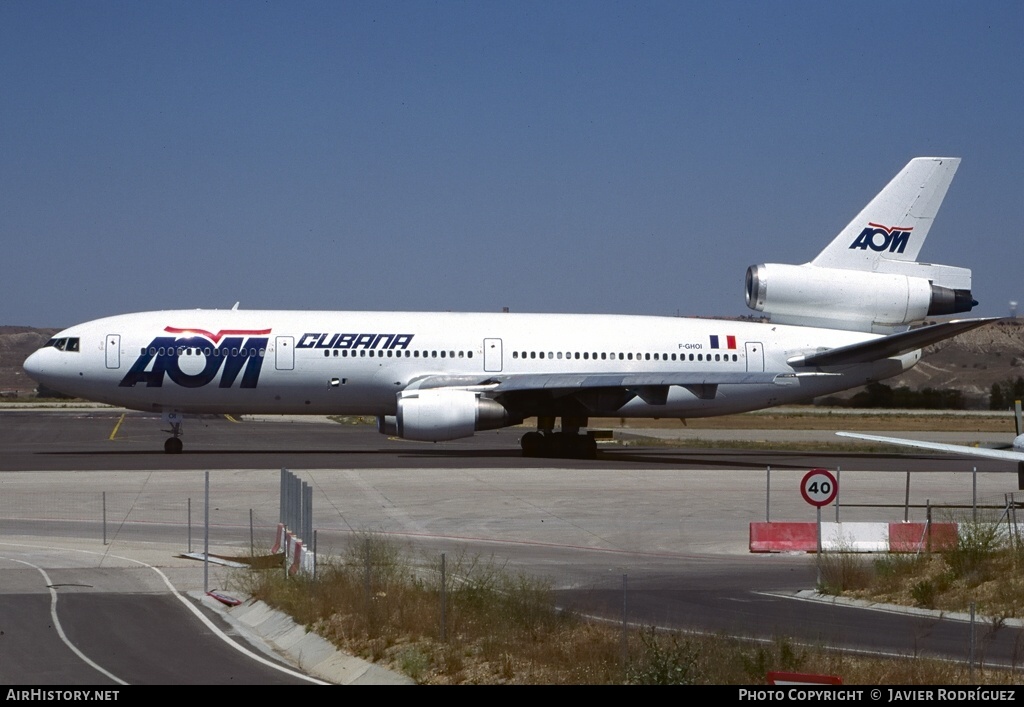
{"x":72,"y":344}
{"x":587,"y":355}
{"x":196,"y":351}
{"x":345,"y":353}
{"x":397,"y":353}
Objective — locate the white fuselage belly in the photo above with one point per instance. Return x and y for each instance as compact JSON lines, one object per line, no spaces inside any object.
{"x":355,"y":363}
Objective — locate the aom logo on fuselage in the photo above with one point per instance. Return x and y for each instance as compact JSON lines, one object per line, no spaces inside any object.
{"x":879,"y":238}
{"x":205,"y":355}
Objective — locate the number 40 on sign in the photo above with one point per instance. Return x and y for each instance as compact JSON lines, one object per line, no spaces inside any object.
{"x":819,"y":487}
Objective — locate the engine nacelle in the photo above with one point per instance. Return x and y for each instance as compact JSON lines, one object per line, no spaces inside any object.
{"x":848,"y":299}
{"x":439,"y":415}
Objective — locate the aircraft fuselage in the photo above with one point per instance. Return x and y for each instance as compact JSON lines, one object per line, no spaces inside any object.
{"x":356,"y":363}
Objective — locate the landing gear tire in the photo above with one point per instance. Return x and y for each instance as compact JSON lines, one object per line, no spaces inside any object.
{"x":588,"y":448}
{"x":558,"y":445}
{"x":534,"y":445}
{"x":173,"y":445}
{"x":571,"y":446}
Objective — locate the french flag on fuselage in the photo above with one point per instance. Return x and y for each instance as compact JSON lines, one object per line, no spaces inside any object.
{"x":730,"y":341}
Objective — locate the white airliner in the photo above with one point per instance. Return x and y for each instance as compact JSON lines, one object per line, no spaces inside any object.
{"x":838,"y":322}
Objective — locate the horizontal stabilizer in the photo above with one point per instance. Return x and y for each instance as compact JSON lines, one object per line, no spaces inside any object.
{"x":892,"y":345}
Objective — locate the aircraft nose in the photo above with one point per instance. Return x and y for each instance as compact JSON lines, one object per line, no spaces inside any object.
{"x":34,"y":365}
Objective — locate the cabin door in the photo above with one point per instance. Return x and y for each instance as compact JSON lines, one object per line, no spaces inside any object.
{"x":492,"y":355}
{"x":284,"y":352}
{"x":755,"y":357}
{"x":113,"y":348}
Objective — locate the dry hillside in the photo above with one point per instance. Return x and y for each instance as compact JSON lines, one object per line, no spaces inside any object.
{"x":16,"y":343}
{"x":971,"y":362}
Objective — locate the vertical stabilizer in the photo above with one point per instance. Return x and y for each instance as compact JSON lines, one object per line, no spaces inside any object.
{"x":893,"y":226}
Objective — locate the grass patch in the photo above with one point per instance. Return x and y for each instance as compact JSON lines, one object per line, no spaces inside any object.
{"x":352,"y":419}
{"x":484,"y":624}
{"x":985,"y":568}
{"x":843,"y":571}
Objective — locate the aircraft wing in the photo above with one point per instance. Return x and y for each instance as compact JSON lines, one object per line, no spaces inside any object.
{"x":1003,"y":454}
{"x":525,"y":391}
{"x":505,"y":383}
{"x":891,"y":345}
{"x":539,"y":381}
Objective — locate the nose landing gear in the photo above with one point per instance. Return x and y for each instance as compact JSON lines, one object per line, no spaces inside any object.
{"x":174,"y":445}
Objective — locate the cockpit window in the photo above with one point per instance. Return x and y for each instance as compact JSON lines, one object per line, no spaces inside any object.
{"x":70,"y":343}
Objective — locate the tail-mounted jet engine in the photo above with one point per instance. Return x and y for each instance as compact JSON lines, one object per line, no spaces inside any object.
{"x":852,"y":299}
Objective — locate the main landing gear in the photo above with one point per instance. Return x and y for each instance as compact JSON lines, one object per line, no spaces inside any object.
{"x":174,"y":445}
{"x":567,"y":444}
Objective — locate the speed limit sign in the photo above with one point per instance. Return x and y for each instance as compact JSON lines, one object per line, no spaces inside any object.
{"x":819,"y":487}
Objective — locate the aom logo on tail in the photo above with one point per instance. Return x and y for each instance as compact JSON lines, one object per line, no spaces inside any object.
{"x":880,"y":238}
{"x":197,"y":360}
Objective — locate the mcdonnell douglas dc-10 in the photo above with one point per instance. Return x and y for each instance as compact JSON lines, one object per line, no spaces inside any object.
{"x":837,"y":322}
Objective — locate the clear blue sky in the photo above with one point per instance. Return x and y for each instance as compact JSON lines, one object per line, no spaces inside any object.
{"x":624,"y":157}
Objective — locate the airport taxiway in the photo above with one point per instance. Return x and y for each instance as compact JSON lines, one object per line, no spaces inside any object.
{"x":669,"y":525}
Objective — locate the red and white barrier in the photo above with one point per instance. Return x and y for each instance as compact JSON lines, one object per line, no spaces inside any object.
{"x":279,"y":539}
{"x":298,"y":550}
{"x":297,"y":556}
{"x":289,"y":545}
{"x":852,"y":537}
